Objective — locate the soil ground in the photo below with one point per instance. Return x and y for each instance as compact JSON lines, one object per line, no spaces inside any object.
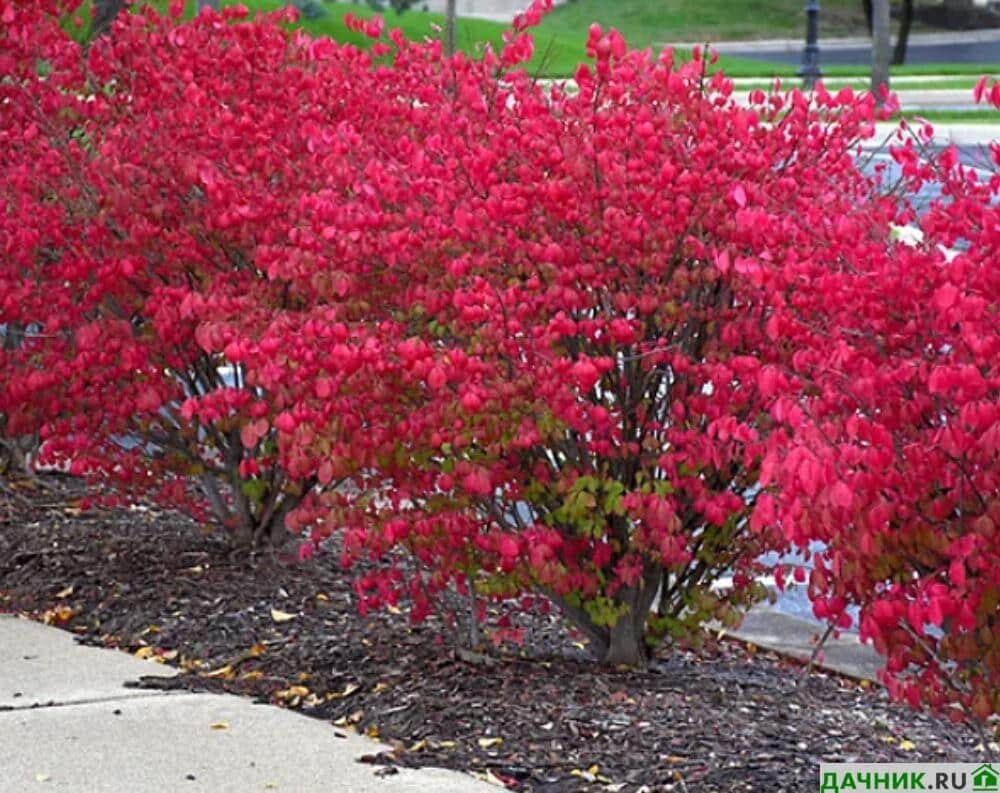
{"x":539,"y":717}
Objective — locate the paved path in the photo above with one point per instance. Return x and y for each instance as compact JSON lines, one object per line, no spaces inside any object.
{"x":797,"y":638}
{"x":67,"y":724}
{"x":911,"y":96}
{"x":975,"y":46}
{"x":916,"y":54}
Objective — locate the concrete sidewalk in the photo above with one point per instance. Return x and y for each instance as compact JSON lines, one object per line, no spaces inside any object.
{"x":912,"y":97}
{"x":797,"y":638}
{"x":67,"y":724}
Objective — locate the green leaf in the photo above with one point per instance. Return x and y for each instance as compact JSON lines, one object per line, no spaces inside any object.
{"x":254,"y":489}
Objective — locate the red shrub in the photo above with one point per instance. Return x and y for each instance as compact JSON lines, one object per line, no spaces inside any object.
{"x":894,"y":460}
{"x":544,"y":337}
{"x":546,"y":342}
{"x":141,"y":187}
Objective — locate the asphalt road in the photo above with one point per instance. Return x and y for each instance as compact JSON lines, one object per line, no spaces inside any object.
{"x":986,"y":52}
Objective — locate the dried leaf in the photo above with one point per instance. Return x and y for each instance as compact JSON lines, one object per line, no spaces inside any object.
{"x":281,"y":616}
{"x":219,"y":725}
{"x":351,"y":688}
{"x":144,"y":652}
{"x":58,"y":616}
{"x":65,"y":593}
{"x":224,"y":672}
{"x":486,"y":743}
{"x":592,"y":774}
{"x":42,"y":777}
{"x":291,"y":693}
{"x":907,"y":746}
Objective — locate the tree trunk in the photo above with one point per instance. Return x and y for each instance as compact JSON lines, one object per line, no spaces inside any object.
{"x":626,"y":645}
{"x":881,"y":46}
{"x":905,"y":21}
{"x":449,"y":21}
{"x":627,"y":639}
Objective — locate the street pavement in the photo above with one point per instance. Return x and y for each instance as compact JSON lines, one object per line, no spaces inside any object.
{"x":967,"y":47}
{"x":798,"y":638}
{"x":68,"y":724}
{"x":912,"y":98}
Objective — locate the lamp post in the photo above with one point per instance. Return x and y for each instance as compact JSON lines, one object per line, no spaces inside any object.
{"x":810,"y":71}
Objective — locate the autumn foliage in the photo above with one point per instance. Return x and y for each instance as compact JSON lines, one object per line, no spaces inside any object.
{"x":610,"y":344}
{"x":892,"y":457}
{"x":143,"y":187}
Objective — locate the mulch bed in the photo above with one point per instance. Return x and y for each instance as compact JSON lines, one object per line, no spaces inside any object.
{"x":538,"y":718}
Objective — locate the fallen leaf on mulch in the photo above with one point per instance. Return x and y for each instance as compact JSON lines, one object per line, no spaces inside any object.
{"x":351,"y":688}
{"x":292,"y":696}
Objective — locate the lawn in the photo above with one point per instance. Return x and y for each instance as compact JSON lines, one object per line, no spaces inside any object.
{"x":555,"y":56}
{"x":651,"y":22}
{"x":560,"y":41}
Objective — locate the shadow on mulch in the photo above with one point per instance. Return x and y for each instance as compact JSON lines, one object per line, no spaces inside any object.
{"x":726,"y":719}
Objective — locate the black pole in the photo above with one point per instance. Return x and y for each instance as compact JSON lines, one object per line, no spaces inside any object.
{"x":810,"y":71}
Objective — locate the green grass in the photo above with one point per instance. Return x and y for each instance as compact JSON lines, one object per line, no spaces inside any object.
{"x":651,"y":22}
{"x":560,"y":41}
{"x":956,"y":116}
{"x":556,"y":55}
{"x":553,"y":56}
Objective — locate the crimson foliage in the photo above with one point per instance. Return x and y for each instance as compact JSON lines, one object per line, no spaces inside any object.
{"x":142,"y":187}
{"x":893,"y":453}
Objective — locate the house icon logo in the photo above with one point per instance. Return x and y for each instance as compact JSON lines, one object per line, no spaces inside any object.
{"x":985,"y":779}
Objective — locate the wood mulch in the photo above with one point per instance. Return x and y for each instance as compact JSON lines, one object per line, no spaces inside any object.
{"x":535,"y":718}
